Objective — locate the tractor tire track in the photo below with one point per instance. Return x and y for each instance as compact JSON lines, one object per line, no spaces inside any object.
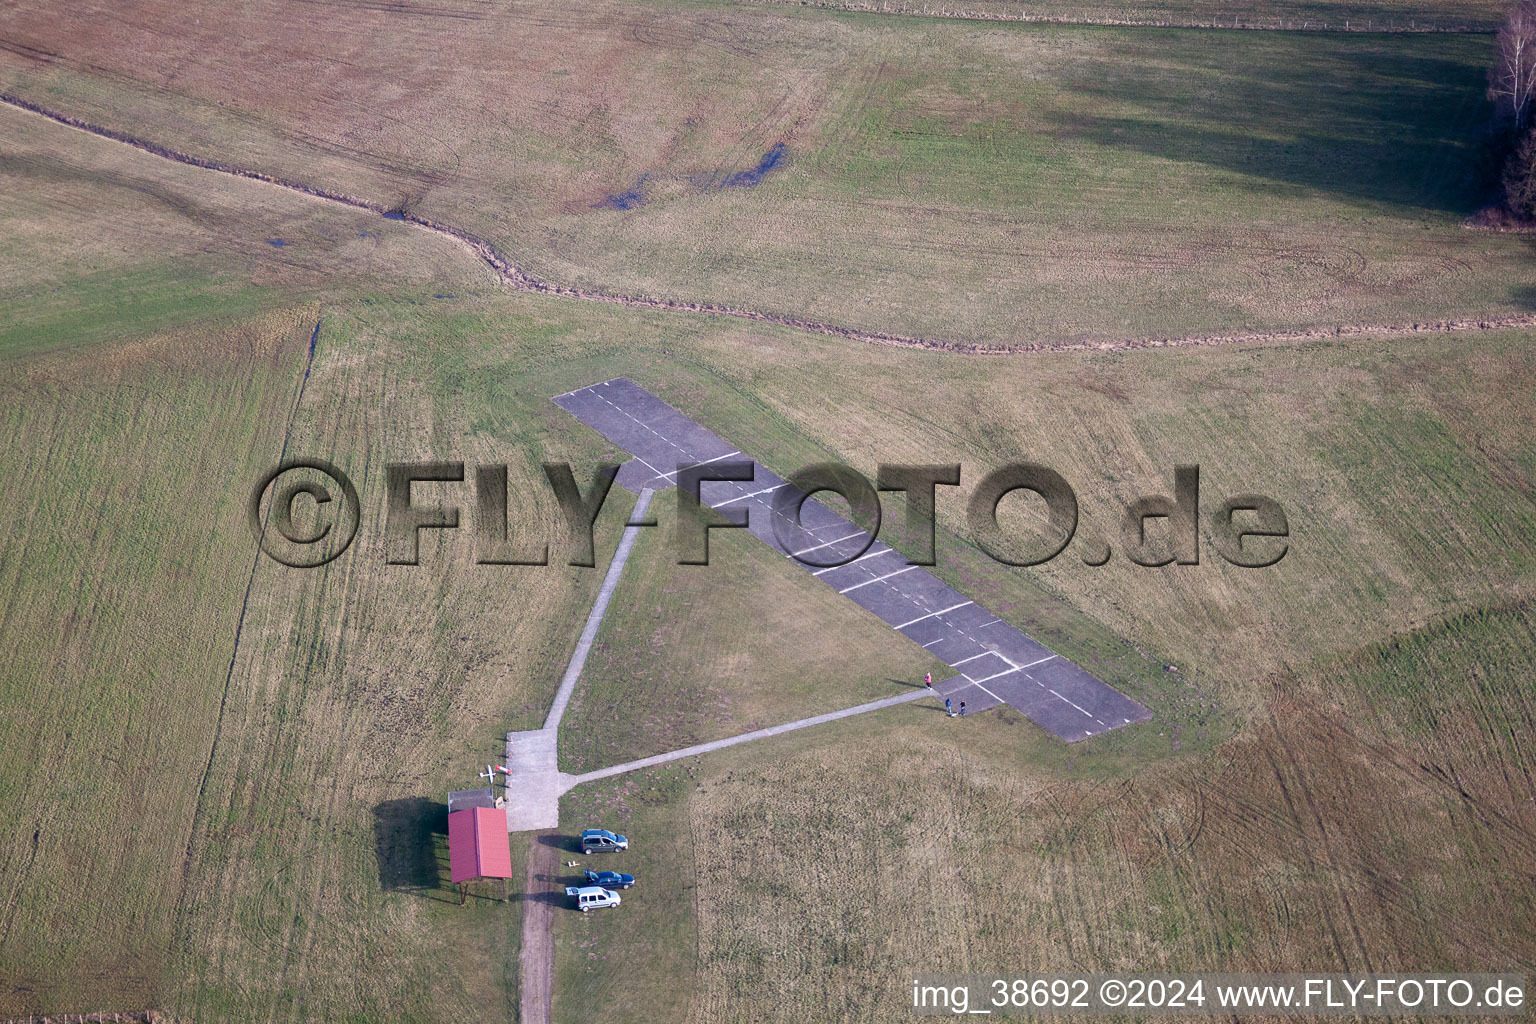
{"x":520,"y":280}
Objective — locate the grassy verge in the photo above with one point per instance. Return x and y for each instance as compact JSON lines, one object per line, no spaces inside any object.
{"x":637,"y":960}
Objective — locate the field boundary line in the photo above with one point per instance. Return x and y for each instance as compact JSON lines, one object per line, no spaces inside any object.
{"x":520,"y":280}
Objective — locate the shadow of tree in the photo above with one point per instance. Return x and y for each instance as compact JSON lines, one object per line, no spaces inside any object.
{"x":1384,"y":120}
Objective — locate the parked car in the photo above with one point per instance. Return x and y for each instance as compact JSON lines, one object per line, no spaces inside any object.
{"x":591,"y":897}
{"x":600,"y":840}
{"x":611,"y":879}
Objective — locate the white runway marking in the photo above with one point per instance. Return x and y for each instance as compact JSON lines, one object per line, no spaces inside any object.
{"x":995,"y":675}
{"x":818,"y":547}
{"x":744,"y":497}
{"x":877,"y":579}
{"x":706,"y":462}
{"x":647,"y":465}
{"x":989,"y":693}
{"x":930,"y":615}
{"x":1079,"y":707}
{"x":856,"y":561}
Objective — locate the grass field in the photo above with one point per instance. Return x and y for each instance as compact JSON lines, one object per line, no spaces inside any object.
{"x":155,"y":355}
{"x":223,"y":780}
{"x":789,"y":914}
{"x":1308,"y":15}
{"x":1312,"y":837}
{"x":102,"y":242}
{"x":698,"y":653}
{"x":1377,"y":816}
{"x":123,"y":559}
{"x":154,"y":342}
{"x":360,"y":693}
{"x":1050,"y":183}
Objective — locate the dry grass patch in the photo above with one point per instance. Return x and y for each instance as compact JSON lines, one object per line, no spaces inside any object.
{"x":1296,"y":846}
{"x":361,"y":694}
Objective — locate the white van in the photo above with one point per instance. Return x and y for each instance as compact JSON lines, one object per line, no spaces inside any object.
{"x":590,"y":897}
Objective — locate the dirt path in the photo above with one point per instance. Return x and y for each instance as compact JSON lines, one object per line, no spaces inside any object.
{"x":537,"y":961}
{"x":524,"y":282}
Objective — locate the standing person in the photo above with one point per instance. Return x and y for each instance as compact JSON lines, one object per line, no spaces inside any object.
{"x":928,"y":680}
{"x":962,"y":709}
{"x":947,"y":712}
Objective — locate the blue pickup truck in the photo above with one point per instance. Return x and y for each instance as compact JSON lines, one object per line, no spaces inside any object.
{"x":611,"y":879}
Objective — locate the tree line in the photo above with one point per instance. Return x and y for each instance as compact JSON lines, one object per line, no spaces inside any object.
{"x":1511,"y":87}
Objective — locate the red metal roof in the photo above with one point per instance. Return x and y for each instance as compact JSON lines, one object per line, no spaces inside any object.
{"x":477,"y":844}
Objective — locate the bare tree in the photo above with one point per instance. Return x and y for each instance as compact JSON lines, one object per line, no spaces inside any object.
{"x":1512,"y":79}
{"x":1519,"y":181}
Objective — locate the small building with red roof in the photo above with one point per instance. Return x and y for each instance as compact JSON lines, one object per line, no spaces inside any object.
{"x":478,"y":845}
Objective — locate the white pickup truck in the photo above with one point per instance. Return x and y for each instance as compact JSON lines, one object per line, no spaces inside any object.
{"x":590,"y":897}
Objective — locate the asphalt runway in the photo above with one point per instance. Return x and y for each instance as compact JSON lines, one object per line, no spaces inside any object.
{"x":997,"y":664}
